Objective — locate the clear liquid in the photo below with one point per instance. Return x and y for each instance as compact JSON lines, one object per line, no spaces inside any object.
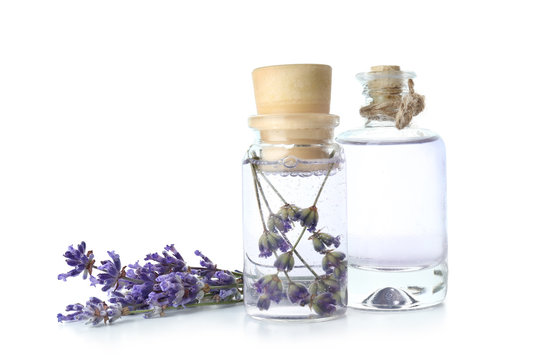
{"x":397,"y":218}
{"x":299,"y":188}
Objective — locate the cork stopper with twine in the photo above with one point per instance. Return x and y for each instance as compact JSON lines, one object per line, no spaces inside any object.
{"x":384,"y":84}
{"x":293,"y":104}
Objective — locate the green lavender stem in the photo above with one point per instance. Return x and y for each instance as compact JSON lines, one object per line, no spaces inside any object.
{"x":316,"y":198}
{"x":231,"y":286}
{"x":299,"y":238}
{"x":258,"y":186}
{"x":320,"y":189}
{"x":273,"y":188}
{"x":235,"y":273}
{"x":281,"y":233}
{"x":230,"y":302}
{"x":287,"y":276}
{"x":254,"y":172}
{"x":135,"y":281}
{"x":255,"y":157}
{"x":325,"y":178}
{"x":300,"y":257}
{"x":262,"y":193}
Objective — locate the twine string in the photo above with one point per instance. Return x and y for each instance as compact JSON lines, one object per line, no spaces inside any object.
{"x":407,"y":107}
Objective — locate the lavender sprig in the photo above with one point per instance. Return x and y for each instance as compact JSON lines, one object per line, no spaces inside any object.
{"x":165,"y":282}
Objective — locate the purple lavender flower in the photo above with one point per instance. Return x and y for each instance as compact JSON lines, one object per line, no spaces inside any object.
{"x":267,"y":284}
{"x":324,"y":304}
{"x":289,"y":213}
{"x":176,"y":289}
{"x":309,"y":218}
{"x":205,"y":262}
{"x":81,"y":262}
{"x":340,"y":297}
{"x":326,"y":283}
{"x":115,"y":312}
{"x":298,"y":294}
{"x":194,"y":288}
{"x":330,"y":284}
{"x":270,"y":288}
{"x":321,"y":241}
{"x":209,"y":268}
{"x":316,"y":287}
{"x":340,"y":271}
{"x":112,"y":273}
{"x":264,"y":302}
{"x":168,"y":291}
{"x":224,"y":278}
{"x":277,"y":224}
{"x":270,"y":242}
{"x":220,"y":278}
{"x":225,"y":294}
{"x":137,"y":290}
{"x":285,"y":262}
{"x":334,"y":262}
{"x":212,"y":276}
{"x":167,"y":263}
{"x":94,"y":312}
{"x":76,"y":315}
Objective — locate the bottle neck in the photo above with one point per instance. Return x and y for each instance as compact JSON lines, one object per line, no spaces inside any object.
{"x":380,"y":123}
{"x":303,"y":135}
{"x":294,"y":137}
{"x":294,"y":129}
{"x":385,"y":89}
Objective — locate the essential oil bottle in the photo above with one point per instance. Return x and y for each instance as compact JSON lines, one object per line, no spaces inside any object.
{"x":294,"y":199}
{"x":396,"y":199}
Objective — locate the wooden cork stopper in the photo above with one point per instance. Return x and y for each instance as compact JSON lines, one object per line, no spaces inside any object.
{"x":298,"y":88}
{"x":385,"y":68}
{"x":387,"y":83}
{"x":293,"y":106}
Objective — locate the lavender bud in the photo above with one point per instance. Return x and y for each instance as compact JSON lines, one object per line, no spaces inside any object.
{"x":340,"y":271}
{"x":270,"y":242}
{"x":285,"y":262}
{"x":331,"y":260}
{"x":80,"y":260}
{"x":289,"y":212}
{"x":318,"y":245}
{"x":298,"y":294}
{"x":331,"y":285}
{"x":324,"y":304}
{"x":264,"y":302}
{"x":321,"y":241}
{"x":315,"y":288}
{"x":271,"y":288}
{"x":309,"y":218}
{"x":277,"y":224}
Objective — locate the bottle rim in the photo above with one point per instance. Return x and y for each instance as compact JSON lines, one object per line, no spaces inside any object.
{"x":376,"y":75}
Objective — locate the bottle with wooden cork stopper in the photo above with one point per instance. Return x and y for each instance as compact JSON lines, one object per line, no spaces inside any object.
{"x":294,"y":199}
{"x":396,"y":199}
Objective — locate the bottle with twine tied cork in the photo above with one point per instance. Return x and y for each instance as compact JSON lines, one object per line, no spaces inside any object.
{"x":294,"y":199}
{"x":396,"y":199}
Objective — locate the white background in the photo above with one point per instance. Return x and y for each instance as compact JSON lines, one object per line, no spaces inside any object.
{"x":123,"y":123}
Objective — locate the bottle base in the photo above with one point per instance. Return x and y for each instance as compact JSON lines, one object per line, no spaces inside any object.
{"x":402,"y":289}
{"x":293,"y":315}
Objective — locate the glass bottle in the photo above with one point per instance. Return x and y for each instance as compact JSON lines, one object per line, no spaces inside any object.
{"x":294,"y":199}
{"x":397,"y":200}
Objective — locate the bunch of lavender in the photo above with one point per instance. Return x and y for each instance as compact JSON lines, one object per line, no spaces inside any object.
{"x":164,"y":282}
{"x":327,"y":290}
